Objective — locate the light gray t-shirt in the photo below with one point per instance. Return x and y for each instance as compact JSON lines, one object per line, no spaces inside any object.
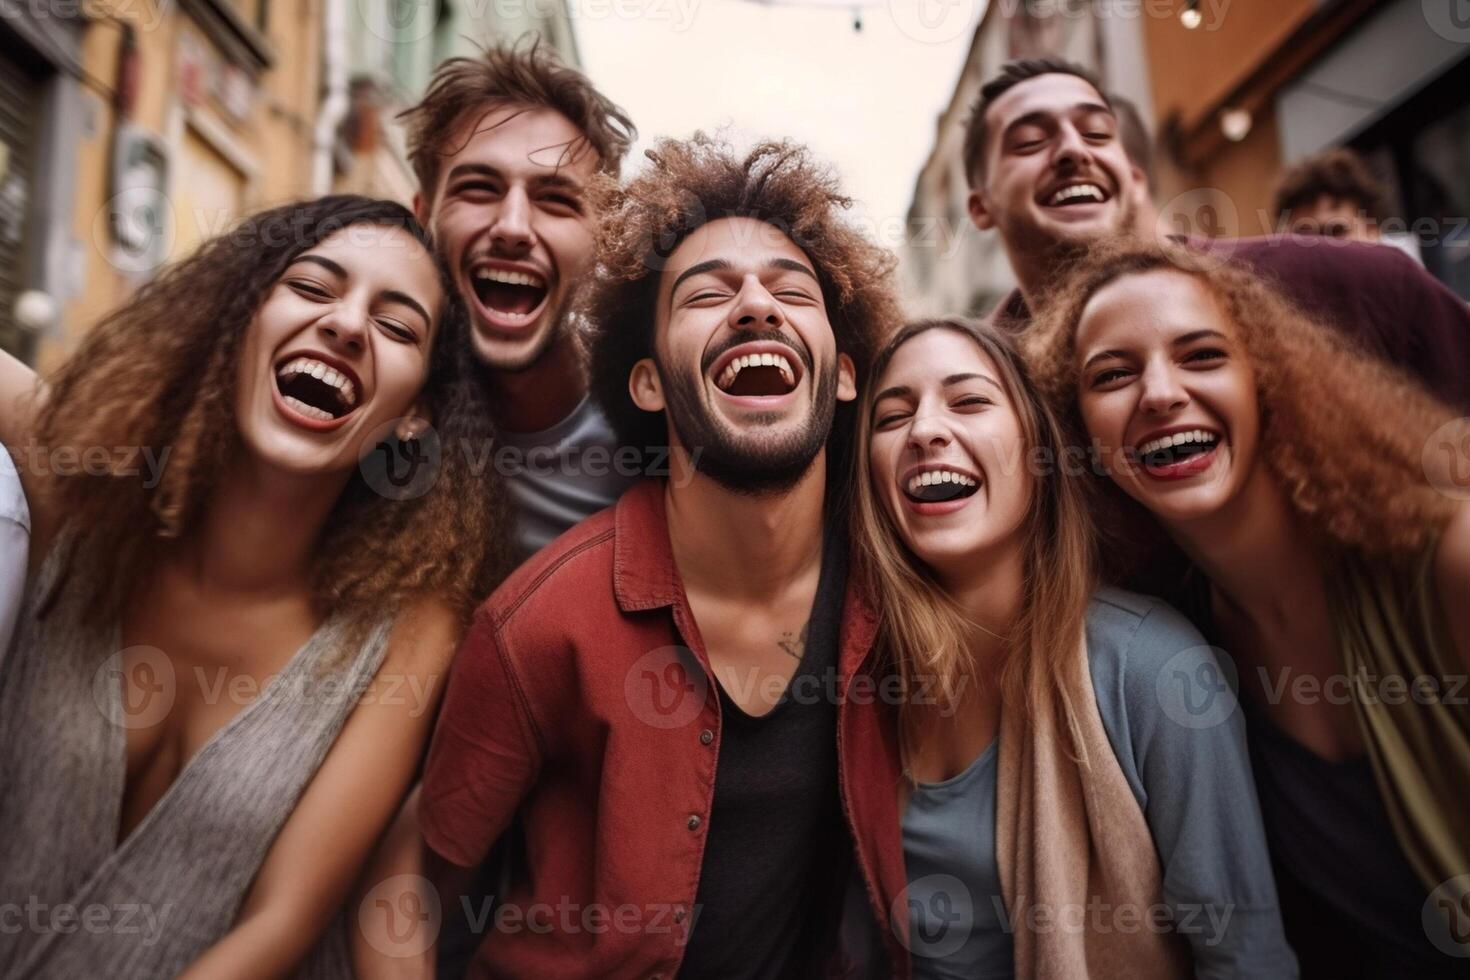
{"x":560,"y":476}
{"x":1179,"y":738}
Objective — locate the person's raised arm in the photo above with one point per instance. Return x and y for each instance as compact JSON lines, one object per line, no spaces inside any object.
{"x":320,"y":852}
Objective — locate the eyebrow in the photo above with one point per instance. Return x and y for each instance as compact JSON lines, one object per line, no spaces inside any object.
{"x":1042,"y":117}
{"x":721,"y":265}
{"x":325,"y":263}
{"x":1187,"y":338}
{"x":407,"y":300}
{"x":393,"y":295}
{"x":900,"y":391}
{"x":541,"y":180}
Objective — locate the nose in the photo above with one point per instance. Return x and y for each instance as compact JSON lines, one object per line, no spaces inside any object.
{"x":1161,"y":391}
{"x":344,"y":328}
{"x":928,"y":431}
{"x":1072,"y":150}
{"x":510,"y":232}
{"x":755,"y":308}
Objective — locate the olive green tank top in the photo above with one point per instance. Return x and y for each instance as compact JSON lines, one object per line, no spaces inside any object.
{"x":1411,"y":702}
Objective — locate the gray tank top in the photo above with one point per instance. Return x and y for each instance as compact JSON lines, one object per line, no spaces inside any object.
{"x":150,"y":905}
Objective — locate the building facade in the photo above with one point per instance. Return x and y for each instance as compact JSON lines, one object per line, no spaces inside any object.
{"x":132,"y":130}
{"x":158,"y":125}
{"x":379,"y":59}
{"x":1260,"y":86}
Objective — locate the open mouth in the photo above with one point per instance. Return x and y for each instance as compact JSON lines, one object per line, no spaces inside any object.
{"x":940,"y":486}
{"x":1171,"y":450}
{"x":316,"y":390}
{"x":762,"y":374}
{"x":511,"y":295}
{"x":1072,"y":195}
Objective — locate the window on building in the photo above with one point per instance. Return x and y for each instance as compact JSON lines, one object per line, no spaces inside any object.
{"x":1428,"y":140}
{"x":20,"y":98}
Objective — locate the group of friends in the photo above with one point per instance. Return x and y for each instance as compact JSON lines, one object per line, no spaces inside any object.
{"x":798,"y":639}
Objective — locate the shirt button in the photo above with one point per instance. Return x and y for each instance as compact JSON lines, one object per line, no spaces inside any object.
{"x":694,"y":821}
{"x":679,"y":914}
{"x":706,"y":737}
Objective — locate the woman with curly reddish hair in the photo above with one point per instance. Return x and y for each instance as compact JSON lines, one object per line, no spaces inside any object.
{"x":240,"y":609}
{"x":1286,"y":479}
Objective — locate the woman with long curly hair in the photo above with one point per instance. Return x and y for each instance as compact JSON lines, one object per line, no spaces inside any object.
{"x":1047,"y":783}
{"x":243,"y":597}
{"x":1288,"y":486}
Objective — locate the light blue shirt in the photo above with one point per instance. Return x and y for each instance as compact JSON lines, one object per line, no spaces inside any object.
{"x":1179,"y":737}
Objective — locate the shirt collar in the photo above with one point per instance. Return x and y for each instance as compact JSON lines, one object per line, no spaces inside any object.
{"x":645,"y":576}
{"x":644,"y":573}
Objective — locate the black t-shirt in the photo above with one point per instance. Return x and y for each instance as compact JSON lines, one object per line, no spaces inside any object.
{"x":777,"y":849}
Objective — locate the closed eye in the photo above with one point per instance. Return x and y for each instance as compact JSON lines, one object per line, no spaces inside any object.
{"x":972,"y":401}
{"x":398,"y":330}
{"x":1108,"y":376}
{"x":475,"y":187}
{"x":1206,"y":355}
{"x":564,"y":201}
{"x":888,"y":418}
{"x":309,"y":288}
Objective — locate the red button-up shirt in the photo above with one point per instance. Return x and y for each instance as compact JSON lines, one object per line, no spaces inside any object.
{"x":583,"y":698}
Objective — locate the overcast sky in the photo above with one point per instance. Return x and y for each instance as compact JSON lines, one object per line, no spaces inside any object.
{"x":865,"y":101}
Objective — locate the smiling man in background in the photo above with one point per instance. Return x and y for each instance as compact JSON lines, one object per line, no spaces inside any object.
{"x":505,"y":146}
{"x":1051,"y":174}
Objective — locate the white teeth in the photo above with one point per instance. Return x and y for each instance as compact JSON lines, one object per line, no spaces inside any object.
{"x":1177,"y":439}
{"x":310,"y":411}
{"x":511,"y":278}
{"x":1090,"y":191}
{"x":323,"y":373}
{"x":778,"y":361}
{"x":930,"y":477}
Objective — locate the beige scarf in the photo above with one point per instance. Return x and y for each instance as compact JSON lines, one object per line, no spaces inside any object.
{"x":1078,"y":869}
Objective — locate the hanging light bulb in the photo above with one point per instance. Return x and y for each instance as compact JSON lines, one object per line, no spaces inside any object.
{"x":1190,"y":16}
{"x":1235,"y":124}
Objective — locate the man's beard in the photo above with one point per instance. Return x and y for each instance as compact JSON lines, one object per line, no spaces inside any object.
{"x":749,"y":465}
{"x":1055,"y":255}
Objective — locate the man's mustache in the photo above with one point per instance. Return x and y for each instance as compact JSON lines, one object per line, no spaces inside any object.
{"x":748,"y":336}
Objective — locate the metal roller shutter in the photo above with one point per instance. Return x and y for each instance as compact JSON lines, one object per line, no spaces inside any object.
{"x":20,"y":94}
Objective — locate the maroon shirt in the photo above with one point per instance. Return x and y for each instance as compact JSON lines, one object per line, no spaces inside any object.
{"x":1373,"y":293}
{"x":583,"y":698}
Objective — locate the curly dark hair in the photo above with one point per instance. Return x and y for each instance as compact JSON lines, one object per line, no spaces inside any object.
{"x":512,"y":74}
{"x":1342,"y":431}
{"x":160,"y":371}
{"x":688,"y":184}
{"x":1338,"y":173}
